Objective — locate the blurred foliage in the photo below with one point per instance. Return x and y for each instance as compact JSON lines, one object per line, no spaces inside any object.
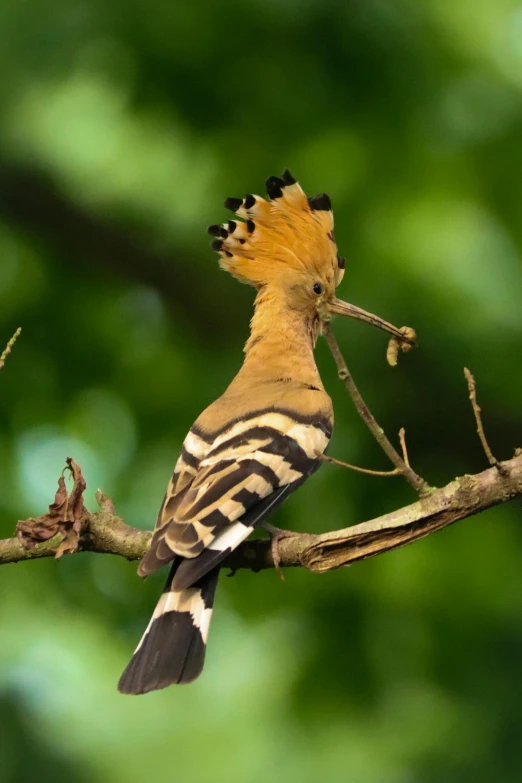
{"x":123,"y":126}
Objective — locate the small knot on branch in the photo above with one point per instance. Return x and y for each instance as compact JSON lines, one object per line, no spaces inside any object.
{"x":104,"y":502}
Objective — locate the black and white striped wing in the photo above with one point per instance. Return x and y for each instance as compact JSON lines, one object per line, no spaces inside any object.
{"x":160,"y":553}
{"x":246,"y":471}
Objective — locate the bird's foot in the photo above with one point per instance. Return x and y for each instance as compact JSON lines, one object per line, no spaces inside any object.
{"x":276,"y":535}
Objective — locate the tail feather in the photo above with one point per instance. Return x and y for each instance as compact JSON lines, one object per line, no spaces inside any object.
{"x":172,"y":649}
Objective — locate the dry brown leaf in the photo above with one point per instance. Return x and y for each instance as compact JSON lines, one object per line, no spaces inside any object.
{"x":66,"y":515}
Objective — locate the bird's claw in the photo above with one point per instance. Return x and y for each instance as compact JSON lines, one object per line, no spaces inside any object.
{"x":277,"y":535}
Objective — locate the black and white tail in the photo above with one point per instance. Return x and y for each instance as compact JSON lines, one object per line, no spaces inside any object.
{"x":172,"y":649}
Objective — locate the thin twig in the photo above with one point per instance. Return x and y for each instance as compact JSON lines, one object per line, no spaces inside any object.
{"x":416,"y":481}
{"x":333,"y":461}
{"x":477,"y":412}
{"x":9,"y":347}
{"x":402,"y":438}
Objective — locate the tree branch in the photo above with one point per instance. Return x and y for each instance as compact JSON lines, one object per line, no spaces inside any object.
{"x":464,"y":497}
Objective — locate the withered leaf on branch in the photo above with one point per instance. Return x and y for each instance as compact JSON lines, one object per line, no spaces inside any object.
{"x":66,"y":515}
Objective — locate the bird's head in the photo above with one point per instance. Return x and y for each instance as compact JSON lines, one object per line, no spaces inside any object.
{"x":285,"y":245}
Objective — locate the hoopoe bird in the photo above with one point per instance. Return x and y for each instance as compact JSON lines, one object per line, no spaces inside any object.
{"x":263,"y":437}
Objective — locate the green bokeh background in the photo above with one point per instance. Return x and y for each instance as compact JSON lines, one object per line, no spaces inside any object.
{"x":123,"y":126}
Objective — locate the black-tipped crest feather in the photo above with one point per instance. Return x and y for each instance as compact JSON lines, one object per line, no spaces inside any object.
{"x":274,"y":187}
{"x":320,"y":202}
{"x":217,"y":231}
{"x":233,"y":204}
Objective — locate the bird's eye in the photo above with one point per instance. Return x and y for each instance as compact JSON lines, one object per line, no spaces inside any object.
{"x":318,"y":289}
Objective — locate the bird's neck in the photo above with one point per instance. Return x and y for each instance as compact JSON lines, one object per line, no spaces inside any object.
{"x":281,"y":343}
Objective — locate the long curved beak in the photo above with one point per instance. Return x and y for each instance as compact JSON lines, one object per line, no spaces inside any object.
{"x":338,"y":307}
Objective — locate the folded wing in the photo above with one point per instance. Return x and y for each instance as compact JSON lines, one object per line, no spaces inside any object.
{"x":222,"y":489}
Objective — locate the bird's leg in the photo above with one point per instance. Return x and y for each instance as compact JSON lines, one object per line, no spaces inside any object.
{"x":276,"y":535}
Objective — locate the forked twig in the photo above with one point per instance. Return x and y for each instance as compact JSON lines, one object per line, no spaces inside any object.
{"x":477,"y":412}
{"x":416,"y":481}
{"x":9,"y":347}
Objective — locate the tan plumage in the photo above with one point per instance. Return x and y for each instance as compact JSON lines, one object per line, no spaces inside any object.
{"x":262,"y":438}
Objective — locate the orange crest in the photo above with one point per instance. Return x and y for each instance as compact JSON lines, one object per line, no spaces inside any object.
{"x":286,"y":232}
